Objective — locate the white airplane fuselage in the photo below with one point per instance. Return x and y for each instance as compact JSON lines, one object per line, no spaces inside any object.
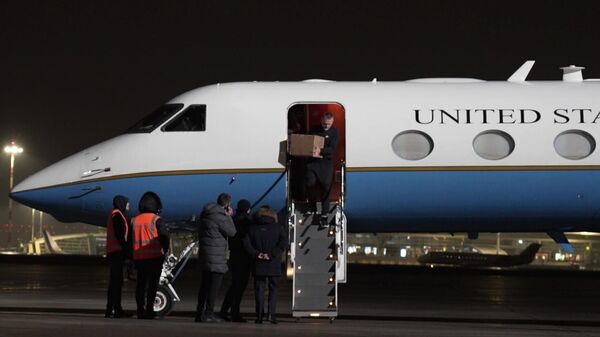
{"x":452,"y":189}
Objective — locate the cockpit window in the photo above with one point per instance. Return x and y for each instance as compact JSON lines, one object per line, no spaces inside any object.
{"x":155,"y":119}
{"x":191,"y":119}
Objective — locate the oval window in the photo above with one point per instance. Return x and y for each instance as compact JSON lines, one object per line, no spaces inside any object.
{"x":412,"y":145}
{"x":574,"y":144}
{"x":493,"y":144}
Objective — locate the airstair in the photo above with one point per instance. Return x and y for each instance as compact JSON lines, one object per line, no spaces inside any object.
{"x":318,"y":257}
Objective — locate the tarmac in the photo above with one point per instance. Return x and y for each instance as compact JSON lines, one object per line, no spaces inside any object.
{"x":65,"y":296}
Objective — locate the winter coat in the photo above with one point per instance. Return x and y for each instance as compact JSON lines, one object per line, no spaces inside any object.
{"x":238,"y":255}
{"x":215,"y":227}
{"x":266,"y":236}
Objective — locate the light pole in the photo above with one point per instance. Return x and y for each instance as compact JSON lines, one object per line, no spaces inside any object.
{"x":32,"y":231}
{"x":13,"y":150}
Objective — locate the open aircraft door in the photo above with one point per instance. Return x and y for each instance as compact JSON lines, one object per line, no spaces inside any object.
{"x":317,"y":247}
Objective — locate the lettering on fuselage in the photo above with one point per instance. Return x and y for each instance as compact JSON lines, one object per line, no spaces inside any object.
{"x":504,"y":116}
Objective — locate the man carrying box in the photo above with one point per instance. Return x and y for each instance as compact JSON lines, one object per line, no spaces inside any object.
{"x":319,"y":167}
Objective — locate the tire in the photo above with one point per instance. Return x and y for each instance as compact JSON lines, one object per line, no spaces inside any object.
{"x":163,"y":302}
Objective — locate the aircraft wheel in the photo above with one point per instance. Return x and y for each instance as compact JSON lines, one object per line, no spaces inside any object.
{"x":163,"y":302}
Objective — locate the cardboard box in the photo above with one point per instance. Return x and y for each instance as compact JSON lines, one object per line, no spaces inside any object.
{"x":283,"y":149}
{"x":303,"y":145}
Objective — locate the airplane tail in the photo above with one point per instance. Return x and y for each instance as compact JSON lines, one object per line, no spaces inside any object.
{"x":528,"y":254}
{"x":51,"y":244}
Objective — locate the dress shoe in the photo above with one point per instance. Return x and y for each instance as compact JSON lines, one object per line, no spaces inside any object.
{"x":199,"y":318}
{"x":119,"y":313}
{"x":212,"y":318}
{"x":238,"y":319}
{"x":149,"y":314}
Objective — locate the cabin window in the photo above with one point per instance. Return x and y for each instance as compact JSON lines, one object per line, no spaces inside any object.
{"x":493,"y":144}
{"x":191,"y":119}
{"x":412,"y":145}
{"x":156,"y":118}
{"x":574,"y":144}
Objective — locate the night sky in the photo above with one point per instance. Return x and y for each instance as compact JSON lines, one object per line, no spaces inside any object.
{"x":74,"y":73}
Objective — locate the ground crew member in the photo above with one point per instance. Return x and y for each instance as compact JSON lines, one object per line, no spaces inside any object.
{"x":240,"y":263}
{"x":215,"y":227}
{"x":118,"y":248}
{"x":150,"y":244}
{"x":319,"y":168}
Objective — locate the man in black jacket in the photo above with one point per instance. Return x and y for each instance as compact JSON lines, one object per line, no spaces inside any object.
{"x":240,"y":263}
{"x":216,"y":226}
{"x":319,"y":168}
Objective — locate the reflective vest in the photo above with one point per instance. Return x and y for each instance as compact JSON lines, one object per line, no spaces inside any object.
{"x":145,"y":237}
{"x":112,"y":244}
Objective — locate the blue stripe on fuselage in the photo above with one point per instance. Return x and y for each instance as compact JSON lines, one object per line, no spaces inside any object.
{"x":392,"y":201}
{"x":473,"y":200}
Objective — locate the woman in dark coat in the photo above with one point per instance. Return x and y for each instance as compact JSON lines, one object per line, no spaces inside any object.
{"x":266,"y":241}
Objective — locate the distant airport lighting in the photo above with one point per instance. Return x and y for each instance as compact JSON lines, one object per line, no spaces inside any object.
{"x":403,"y":252}
{"x":12,"y":149}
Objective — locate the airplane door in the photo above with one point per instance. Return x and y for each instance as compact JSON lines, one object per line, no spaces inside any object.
{"x":302,"y":118}
{"x":317,"y":242}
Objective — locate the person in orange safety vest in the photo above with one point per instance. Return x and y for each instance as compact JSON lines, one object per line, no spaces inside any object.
{"x":118,"y":249}
{"x":150,"y":243}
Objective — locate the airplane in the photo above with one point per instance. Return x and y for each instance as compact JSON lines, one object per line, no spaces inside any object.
{"x":423,"y":155}
{"x":480,"y":259}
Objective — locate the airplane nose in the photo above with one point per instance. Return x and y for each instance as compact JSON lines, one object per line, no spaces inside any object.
{"x":45,"y":190}
{"x":53,"y":200}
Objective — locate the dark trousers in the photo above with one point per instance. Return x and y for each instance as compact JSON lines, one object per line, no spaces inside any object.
{"x":115,"y":283}
{"x":240,"y":273}
{"x":320,"y":172}
{"x":148,"y":276}
{"x":260,"y":283}
{"x":209,"y":288}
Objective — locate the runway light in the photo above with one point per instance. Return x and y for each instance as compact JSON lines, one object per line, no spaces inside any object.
{"x":299,"y":291}
{"x":299,"y":267}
